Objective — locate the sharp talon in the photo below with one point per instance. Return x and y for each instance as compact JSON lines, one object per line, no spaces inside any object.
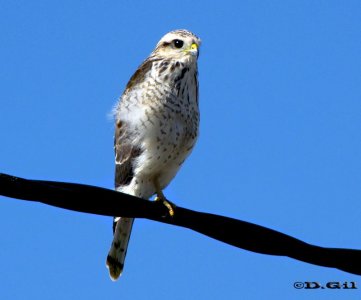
{"x":160,"y":197}
{"x":169,"y":206}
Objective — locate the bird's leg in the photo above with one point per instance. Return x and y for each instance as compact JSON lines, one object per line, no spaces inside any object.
{"x":160,"y":197}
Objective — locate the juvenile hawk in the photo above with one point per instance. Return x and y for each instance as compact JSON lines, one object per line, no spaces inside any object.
{"x":156,"y":128}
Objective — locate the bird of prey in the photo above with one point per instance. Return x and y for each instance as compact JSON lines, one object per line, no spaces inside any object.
{"x":156,"y":127}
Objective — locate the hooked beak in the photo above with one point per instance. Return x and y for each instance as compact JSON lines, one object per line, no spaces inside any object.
{"x":193,"y":50}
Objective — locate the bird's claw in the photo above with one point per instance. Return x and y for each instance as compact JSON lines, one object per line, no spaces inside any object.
{"x":169,"y":205}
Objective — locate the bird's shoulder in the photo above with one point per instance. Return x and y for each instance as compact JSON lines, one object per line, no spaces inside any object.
{"x":140,"y":74}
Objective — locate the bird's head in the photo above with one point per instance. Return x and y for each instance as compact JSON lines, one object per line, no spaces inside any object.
{"x":178,"y":44}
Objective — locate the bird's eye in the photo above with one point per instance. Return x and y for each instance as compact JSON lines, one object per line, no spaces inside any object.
{"x":178,"y":43}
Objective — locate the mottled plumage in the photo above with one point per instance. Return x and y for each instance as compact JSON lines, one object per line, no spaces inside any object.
{"x":157,"y":121}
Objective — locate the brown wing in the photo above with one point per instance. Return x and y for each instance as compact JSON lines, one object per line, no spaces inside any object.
{"x":125,"y":154}
{"x":140,"y":73}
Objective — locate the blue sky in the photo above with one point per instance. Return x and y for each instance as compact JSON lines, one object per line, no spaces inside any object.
{"x":280,"y":145}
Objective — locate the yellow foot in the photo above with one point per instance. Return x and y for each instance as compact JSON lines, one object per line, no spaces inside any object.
{"x":160,"y":197}
{"x":167,"y":204}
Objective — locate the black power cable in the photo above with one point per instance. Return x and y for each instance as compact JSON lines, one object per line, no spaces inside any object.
{"x":238,"y":233}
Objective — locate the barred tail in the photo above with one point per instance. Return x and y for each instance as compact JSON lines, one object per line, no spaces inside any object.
{"x":122,"y":228}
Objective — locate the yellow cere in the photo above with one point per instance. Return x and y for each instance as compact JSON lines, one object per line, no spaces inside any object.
{"x":194,"y":46}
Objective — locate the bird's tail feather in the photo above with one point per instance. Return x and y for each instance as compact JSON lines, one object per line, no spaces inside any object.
{"x":118,"y":249}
